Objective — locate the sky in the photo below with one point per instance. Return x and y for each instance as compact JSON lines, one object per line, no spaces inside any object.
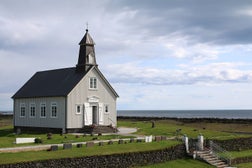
{"x":158,"y":55}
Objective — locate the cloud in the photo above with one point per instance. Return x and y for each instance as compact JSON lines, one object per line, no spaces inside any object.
{"x":181,"y":46}
{"x":27,"y":31}
{"x":5,"y":102}
{"x":215,"y":73}
{"x":166,"y":43}
{"x":184,"y":97}
{"x":206,"y":21}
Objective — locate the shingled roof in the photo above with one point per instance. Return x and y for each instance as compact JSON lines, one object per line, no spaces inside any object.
{"x":51,"y":83}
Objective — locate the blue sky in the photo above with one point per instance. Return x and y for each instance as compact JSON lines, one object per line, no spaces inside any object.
{"x":183,"y":54}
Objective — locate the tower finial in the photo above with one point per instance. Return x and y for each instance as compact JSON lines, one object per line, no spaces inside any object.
{"x":87,"y":27}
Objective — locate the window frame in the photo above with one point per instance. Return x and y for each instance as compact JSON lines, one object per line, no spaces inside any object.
{"x":106,"y":108}
{"x":22,"y":106}
{"x":78,"y":111}
{"x":43,"y":105}
{"x":54,"y":104}
{"x":93,"y":83}
{"x":32,"y":110}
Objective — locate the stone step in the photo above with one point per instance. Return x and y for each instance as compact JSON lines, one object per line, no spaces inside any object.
{"x":99,"y":129}
{"x":211,"y":159}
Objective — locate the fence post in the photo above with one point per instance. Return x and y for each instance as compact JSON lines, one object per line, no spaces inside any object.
{"x":200,"y":142}
{"x":186,"y":143}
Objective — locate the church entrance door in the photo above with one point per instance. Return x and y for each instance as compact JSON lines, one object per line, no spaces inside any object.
{"x":95,"y":115}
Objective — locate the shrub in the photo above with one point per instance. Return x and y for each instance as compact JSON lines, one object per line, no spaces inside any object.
{"x":49,"y":136}
{"x":38,"y":140}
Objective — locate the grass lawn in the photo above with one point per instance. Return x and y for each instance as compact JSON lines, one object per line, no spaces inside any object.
{"x":169,"y":127}
{"x":7,"y":138}
{"x":244,"y":165}
{"x":84,"y":151}
{"x":162,"y":127}
{"x":237,"y":154}
{"x":181,"y":163}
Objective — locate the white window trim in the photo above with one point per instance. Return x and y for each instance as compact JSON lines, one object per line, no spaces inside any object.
{"x":22,"y":105}
{"x":44,"y":105}
{"x":32,"y":105}
{"x":76,"y":109}
{"x":54,"y":104}
{"x":90,"y":78}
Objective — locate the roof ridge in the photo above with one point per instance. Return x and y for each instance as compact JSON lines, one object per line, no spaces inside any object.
{"x":58,"y":69}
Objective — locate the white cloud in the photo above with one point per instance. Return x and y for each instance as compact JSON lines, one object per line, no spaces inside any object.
{"x":5,"y":101}
{"x":184,"y":46}
{"x":245,"y":11}
{"x":184,"y":97}
{"x":214,"y":73}
{"x":21,"y":31}
{"x":139,"y":45}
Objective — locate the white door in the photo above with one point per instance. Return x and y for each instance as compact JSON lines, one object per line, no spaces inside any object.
{"x":88,"y":116}
{"x":100,"y":113}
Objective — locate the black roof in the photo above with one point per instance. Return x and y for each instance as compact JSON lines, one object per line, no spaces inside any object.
{"x":58,"y":82}
{"x":87,"y":39}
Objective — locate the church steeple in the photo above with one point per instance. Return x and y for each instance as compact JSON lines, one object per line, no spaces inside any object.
{"x":86,"y":53}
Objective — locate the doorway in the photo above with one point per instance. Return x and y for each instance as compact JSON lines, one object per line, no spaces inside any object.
{"x":95,"y":115}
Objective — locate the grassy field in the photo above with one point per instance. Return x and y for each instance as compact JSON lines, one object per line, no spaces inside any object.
{"x":78,"y":152}
{"x":7,"y":138}
{"x":170,"y":127}
{"x":237,"y":154}
{"x":244,"y":165}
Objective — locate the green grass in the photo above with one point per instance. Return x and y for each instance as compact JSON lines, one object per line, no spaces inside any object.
{"x":169,"y":127}
{"x":162,"y":127}
{"x":181,"y":163}
{"x":237,"y":154}
{"x":7,"y":137}
{"x":244,"y":165}
{"x":84,"y":151}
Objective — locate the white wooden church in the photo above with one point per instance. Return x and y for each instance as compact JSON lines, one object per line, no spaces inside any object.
{"x":69,"y":99}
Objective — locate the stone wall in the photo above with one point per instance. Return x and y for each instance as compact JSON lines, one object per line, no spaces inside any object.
{"x":105,"y":161}
{"x":241,"y":160}
{"x":237,"y":144}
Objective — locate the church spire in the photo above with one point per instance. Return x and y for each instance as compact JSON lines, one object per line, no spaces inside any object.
{"x":86,"y":53}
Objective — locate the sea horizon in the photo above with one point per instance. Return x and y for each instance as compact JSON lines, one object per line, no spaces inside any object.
{"x":225,"y":114}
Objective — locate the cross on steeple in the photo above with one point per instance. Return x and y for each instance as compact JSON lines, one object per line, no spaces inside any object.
{"x":87,"y":26}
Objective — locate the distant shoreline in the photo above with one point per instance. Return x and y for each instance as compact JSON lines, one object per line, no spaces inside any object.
{"x":185,"y":120}
{"x":6,"y":112}
{"x":188,"y":120}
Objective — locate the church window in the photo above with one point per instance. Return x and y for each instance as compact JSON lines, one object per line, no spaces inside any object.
{"x":78,"y":109}
{"x":93,"y":83}
{"x":54,"y":110}
{"x":22,"y":110}
{"x":42,"y":110}
{"x":32,"y":110}
{"x":106,"y":108}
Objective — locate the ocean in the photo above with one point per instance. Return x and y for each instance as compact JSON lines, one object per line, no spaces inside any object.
{"x":228,"y":114}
